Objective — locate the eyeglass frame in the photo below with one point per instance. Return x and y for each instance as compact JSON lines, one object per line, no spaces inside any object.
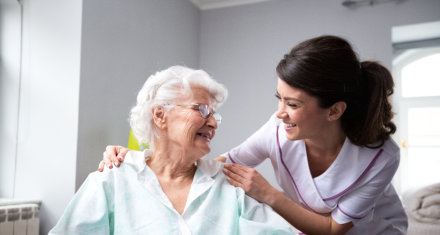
{"x":218,"y":118}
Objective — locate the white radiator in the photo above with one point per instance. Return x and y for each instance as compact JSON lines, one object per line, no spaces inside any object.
{"x":19,"y":219}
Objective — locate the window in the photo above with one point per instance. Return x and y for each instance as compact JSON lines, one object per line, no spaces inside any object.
{"x":421,"y":77}
{"x":417,"y":107}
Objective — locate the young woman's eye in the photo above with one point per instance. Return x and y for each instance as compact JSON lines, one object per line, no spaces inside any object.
{"x":292,"y":105}
{"x":278,"y":96}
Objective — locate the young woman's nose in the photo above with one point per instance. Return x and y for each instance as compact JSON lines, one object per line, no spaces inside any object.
{"x":281,"y":113}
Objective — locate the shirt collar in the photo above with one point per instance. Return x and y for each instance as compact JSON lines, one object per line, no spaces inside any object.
{"x":136,"y":159}
{"x":207,"y":167}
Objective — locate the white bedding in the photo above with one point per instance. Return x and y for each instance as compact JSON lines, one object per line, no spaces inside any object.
{"x":423,"y":209}
{"x":424,"y":205}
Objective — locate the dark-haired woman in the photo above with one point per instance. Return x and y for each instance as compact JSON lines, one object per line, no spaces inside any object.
{"x":329,"y":143}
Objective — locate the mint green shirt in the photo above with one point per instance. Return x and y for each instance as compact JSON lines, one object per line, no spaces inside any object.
{"x":129,"y":200}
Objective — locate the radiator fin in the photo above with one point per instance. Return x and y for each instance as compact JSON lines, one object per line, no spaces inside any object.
{"x":21,"y":219}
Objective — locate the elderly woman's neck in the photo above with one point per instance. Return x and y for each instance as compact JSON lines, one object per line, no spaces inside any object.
{"x":172,"y":164}
{"x":175,"y":173}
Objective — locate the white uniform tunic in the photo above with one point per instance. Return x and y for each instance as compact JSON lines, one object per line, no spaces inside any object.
{"x":355,"y":188}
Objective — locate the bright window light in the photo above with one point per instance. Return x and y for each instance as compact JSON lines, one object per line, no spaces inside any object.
{"x":423,"y":167}
{"x":424,"y":126}
{"x":422,"y":77}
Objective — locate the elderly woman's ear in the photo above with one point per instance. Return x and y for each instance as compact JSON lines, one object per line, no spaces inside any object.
{"x":159,"y":116}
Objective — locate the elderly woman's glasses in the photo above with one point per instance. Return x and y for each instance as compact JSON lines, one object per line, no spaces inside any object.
{"x":205,"y":112}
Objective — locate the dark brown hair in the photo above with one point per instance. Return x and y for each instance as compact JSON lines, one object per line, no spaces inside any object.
{"x":327,"y":68}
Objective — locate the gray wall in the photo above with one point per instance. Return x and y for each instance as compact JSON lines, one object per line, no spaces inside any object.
{"x":242,"y":45}
{"x":123,"y":42}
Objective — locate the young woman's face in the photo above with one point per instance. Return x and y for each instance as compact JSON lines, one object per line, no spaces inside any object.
{"x":187,"y":129}
{"x":300,"y":113}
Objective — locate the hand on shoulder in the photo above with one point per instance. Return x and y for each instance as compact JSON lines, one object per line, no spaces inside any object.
{"x":113,"y":155}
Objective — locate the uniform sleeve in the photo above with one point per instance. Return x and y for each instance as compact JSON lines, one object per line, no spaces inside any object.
{"x":256,"y":148}
{"x":89,"y":211}
{"x":358,"y":206}
{"x":259,"y":218}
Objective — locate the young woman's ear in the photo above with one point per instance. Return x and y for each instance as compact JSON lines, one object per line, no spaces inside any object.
{"x":159,"y":116}
{"x":336,"y":110}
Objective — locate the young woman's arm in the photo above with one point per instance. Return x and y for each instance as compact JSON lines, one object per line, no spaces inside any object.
{"x":304,"y":220}
{"x":257,"y":187}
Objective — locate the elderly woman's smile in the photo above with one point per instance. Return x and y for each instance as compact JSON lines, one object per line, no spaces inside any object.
{"x":206,"y":134}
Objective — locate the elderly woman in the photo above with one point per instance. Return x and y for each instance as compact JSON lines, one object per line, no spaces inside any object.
{"x":170,"y":189}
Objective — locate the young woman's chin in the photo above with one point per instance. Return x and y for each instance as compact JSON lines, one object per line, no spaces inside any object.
{"x":291,"y":133}
{"x":294,"y":136}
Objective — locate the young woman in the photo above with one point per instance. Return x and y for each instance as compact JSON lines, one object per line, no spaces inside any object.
{"x":329,"y":144}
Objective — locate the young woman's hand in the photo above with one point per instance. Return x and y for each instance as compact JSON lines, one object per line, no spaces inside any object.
{"x":250,"y":180}
{"x":220,"y":159}
{"x":113,"y":155}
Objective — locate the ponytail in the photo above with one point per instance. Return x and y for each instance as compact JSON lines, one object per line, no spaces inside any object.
{"x":374,"y":125}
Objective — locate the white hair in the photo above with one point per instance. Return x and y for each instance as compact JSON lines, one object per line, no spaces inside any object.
{"x":165,"y":87}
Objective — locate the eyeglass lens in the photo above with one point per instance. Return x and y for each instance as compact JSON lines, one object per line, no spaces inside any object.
{"x":205,"y":112}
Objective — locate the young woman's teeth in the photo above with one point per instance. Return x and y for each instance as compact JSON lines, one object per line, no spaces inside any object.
{"x":290,"y":125}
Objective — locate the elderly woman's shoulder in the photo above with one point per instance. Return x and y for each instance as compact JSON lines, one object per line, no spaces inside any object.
{"x":134,"y":162}
{"x":213,"y":169}
{"x":210,"y":167}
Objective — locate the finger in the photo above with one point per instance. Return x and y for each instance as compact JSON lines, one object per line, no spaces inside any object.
{"x":106,"y":160}
{"x":237,"y":168}
{"x":234,"y":176}
{"x":110,"y":155}
{"x":220,"y":159}
{"x":112,"y":150}
{"x":113,"y":159}
{"x":234,"y":183}
{"x":121,"y":155}
{"x":101,"y":166}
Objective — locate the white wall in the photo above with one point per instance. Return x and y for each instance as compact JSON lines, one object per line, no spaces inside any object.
{"x":68,"y":115}
{"x":10,"y":42}
{"x":242,"y":45}
{"x":46,"y":153}
{"x":123,"y":42}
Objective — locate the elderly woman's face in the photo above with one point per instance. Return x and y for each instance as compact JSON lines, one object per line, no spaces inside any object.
{"x":187,"y":128}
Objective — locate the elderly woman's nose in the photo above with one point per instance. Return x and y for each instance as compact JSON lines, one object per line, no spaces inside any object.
{"x":211,"y":122}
